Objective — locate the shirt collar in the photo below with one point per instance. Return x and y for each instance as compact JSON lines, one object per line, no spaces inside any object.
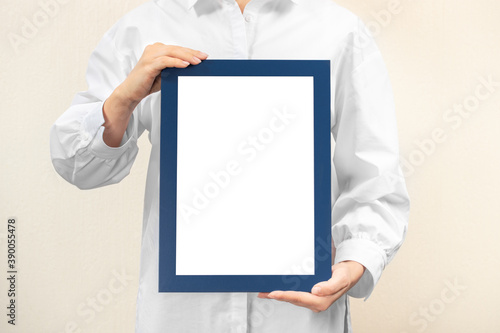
{"x":190,"y":3}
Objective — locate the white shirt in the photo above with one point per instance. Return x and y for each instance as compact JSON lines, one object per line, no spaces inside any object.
{"x":370,"y":208}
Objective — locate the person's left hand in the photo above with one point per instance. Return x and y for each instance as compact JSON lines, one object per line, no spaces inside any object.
{"x":345,"y":275}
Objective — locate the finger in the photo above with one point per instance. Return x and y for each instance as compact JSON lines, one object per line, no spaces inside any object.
{"x":164,"y":61}
{"x":294,"y":297}
{"x":337,"y":283}
{"x":156,"y":84}
{"x":194,"y":57}
{"x":307,"y":300}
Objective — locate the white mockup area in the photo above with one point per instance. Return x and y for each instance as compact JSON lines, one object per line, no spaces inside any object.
{"x":245,"y":175}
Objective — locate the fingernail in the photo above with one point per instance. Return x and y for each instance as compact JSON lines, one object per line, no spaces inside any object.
{"x":196,"y":60}
{"x":203,"y":54}
{"x":270,"y":295}
{"x":185,"y":62}
{"x":316,"y":290}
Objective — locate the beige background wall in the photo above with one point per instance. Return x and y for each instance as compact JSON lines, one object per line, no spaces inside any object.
{"x":78,"y":251}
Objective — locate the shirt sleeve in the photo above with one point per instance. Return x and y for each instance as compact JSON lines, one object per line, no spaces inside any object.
{"x":77,"y":149}
{"x":371,"y":203}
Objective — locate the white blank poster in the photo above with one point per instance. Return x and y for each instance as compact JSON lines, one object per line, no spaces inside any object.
{"x":245,"y":175}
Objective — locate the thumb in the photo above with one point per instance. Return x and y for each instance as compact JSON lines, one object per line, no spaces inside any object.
{"x":156,"y":84}
{"x":338,"y":282}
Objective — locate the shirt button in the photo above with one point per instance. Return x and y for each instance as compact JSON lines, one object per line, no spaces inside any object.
{"x":249,"y":18}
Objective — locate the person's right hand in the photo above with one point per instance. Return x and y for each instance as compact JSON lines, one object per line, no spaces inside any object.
{"x":144,"y":79}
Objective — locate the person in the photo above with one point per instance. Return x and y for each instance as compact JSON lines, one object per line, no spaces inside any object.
{"x":94,"y":143}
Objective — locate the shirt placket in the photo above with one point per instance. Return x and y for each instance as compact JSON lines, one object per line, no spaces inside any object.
{"x":250,"y":19}
{"x":238,"y":313}
{"x":238,"y":29}
{"x":242,"y":26}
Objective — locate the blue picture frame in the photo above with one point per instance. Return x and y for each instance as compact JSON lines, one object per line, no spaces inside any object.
{"x":168,"y":280}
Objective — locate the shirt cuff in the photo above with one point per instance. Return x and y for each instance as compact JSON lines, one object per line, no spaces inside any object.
{"x":367,"y":254}
{"x":94,"y":120}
